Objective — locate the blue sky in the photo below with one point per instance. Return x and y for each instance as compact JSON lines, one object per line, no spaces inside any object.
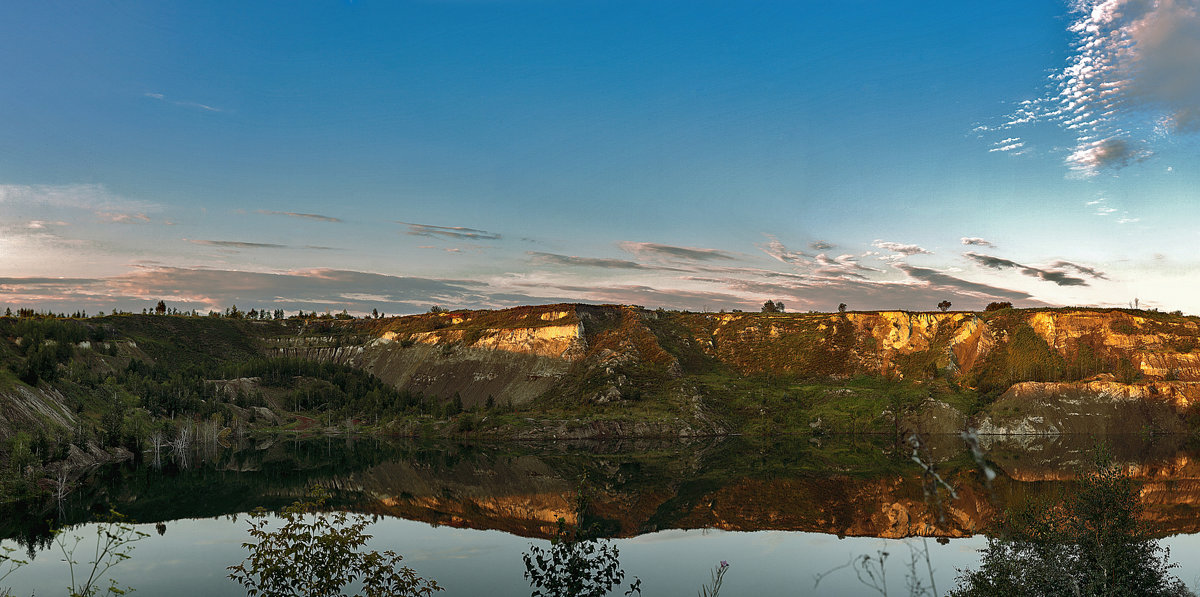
{"x":699,"y":155}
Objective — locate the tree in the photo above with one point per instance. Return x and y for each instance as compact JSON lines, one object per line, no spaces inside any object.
{"x":1091,"y":543}
{"x":841,"y":307}
{"x":770,"y":307}
{"x":573,"y":566}
{"x":944,"y":305}
{"x":578,"y":562}
{"x":998,"y":305}
{"x":161,"y":308}
{"x":317,"y":554}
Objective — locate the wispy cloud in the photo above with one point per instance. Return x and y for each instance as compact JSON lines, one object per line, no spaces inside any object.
{"x":314,"y":288}
{"x":1011,"y":145}
{"x":779,"y":251}
{"x":951,"y":283}
{"x":197,"y":105}
{"x":293,"y":214}
{"x":821,"y":245}
{"x":1129,"y":81}
{"x":655,"y":250}
{"x":1083,"y":269}
{"x":554,"y":259}
{"x":841,"y":266}
{"x":46,"y":283}
{"x":1055,"y":273}
{"x":1101,"y":208}
{"x":1089,"y":158}
{"x":901,"y":248}
{"x":235,"y":244}
{"x":122,"y":217}
{"x":976,"y":241}
{"x":455,"y":232}
{"x":92,"y":198}
{"x":44,"y":225}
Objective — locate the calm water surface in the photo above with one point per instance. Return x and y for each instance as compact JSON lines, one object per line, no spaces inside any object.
{"x":781,"y":512}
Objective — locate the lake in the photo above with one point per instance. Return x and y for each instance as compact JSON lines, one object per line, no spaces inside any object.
{"x":782,"y":512}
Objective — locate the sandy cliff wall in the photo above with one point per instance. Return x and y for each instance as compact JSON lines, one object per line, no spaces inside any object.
{"x":513,"y":360}
{"x":1049,"y":368}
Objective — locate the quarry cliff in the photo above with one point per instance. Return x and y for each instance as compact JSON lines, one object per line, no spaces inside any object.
{"x":572,"y":370}
{"x":1006,"y":372}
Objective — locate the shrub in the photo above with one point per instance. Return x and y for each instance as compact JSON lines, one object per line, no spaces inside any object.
{"x":1093,"y":543}
{"x":317,"y":554}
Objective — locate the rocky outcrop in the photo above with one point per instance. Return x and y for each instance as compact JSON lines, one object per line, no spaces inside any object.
{"x":24,"y":408}
{"x":459,"y":357}
{"x":552,"y":341}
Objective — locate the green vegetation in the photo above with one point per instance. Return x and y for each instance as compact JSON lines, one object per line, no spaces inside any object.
{"x":316,"y":553}
{"x":574,"y":565}
{"x":1024,"y":357}
{"x":114,"y":542}
{"x":1091,"y":542}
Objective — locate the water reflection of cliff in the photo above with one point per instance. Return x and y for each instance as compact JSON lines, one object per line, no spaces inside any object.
{"x":864,"y":486}
{"x":860,"y":487}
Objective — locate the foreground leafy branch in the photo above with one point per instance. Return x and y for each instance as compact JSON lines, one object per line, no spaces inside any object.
{"x":114,"y":541}
{"x":579,"y":562}
{"x":318,"y":554}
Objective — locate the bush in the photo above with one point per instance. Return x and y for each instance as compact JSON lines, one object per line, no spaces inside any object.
{"x":317,"y":554}
{"x":1093,"y":543}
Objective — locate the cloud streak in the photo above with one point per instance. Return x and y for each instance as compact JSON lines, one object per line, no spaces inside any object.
{"x":453,"y":232}
{"x":91,"y":198}
{"x":123,"y":218}
{"x":976,"y":242}
{"x":903,"y":249}
{"x":944,"y":281}
{"x":554,"y":259}
{"x":780,"y":252}
{"x":235,"y":244}
{"x":1056,"y":273}
{"x":659,"y":251}
{"x":163,"y":98}
{"x":317,"y":217}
